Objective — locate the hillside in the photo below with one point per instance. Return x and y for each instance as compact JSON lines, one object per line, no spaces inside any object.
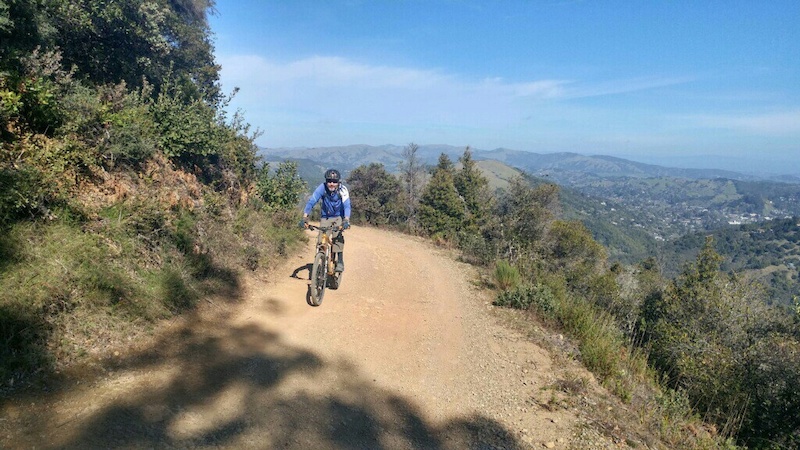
{"x":563,"y":167}
{"x":767,"y":252}
{"x":151,"y":296}
{"x":671,"y":207}
{"x":382,"y":363}
{"x":628,"y":206}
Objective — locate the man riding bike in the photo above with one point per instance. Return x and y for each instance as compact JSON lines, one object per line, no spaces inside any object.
{"x":335,"y":210}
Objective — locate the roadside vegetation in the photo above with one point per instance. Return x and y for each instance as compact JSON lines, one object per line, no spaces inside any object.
{"x":128,"y":195}
{"x":702,"y":358}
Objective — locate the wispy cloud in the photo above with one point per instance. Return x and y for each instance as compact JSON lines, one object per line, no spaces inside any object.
{"x":776,"y":123}
{"x":325,"y":100}
{"x":622,"y":86}
{"x":317,"y":72}
{"x":326,"y":70}
{"x":334,"y":88}
{"x":348,"y":94}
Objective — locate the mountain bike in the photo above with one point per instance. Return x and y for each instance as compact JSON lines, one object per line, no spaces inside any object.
{"x":323,"y":273}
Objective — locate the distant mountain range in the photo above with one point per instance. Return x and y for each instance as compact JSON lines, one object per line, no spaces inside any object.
{"x":635,"y":210}
{"x":561,"y":167}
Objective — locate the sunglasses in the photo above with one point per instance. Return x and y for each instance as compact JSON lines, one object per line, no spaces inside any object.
{"x":332,"y":181}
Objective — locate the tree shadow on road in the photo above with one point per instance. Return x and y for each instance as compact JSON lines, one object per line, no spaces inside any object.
{"x":210,"y":384}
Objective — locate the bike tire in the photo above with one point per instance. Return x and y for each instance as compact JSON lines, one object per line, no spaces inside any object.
{"x":319,"y":277}
{"x":335,"y":280}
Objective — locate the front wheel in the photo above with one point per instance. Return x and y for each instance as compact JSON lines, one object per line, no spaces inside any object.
{"x":319,"y":275}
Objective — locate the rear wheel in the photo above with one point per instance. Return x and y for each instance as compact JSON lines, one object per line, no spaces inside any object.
{"x":335,"y":280}
{"x":319,"y":276}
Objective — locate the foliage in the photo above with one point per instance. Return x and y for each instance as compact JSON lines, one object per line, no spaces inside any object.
{"x":712,"y":334}
{"x":768,"y":252}
{"x":506,"y":276}
{"x":539,"y":297}
{"x":473,"y":187}
{"x":478,"y":236}
{"x":375,"y":196}
{"x":124,"y":182}
{"x":441,"y":209}
{"x":525,"y":214}
{"x":572,"y":251}
{"x":412,"y":176}
{"x":159,"y":37}
{"x":282,"y":189}
{"x":188,"y":130}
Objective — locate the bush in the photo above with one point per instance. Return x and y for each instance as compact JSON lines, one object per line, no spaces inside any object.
{"x":600,"y":340}
{"x":282,"y":189}
{"x":538,"y":297}
{"x":506,"y":276}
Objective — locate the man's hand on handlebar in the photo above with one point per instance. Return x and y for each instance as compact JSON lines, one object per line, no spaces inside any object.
{"x":304,"y":223}
{"x":346,"y":225}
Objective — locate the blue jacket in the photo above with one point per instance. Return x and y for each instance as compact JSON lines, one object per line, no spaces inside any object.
{"x":334,"y":204}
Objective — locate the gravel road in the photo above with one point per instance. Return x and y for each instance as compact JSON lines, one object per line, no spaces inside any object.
{"x":407,"y":354}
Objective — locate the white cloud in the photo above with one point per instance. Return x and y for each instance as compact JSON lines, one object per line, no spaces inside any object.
{"x":622,"y":86}
{"x":326,"y":100}
{"x":321,"y":70}
{"x":338,"y":90}
{"x":777,"y":123}
{"x":318,"y":80}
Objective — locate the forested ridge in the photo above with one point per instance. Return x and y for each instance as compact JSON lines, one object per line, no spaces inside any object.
{"x":130,"y":194}
{"x":708,"y":335}
{"x":767,"y":252}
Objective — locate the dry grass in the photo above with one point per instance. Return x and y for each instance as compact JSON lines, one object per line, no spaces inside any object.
{"x":630,"y":407}
{"x":140,"y":251}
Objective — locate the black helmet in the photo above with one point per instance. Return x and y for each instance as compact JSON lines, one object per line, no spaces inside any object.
{"x":333,"y":175}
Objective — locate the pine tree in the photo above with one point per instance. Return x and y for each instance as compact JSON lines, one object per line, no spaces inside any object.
{"x":473,"y":187}
{"x":374,"y":195}
{"x":441,"y":209}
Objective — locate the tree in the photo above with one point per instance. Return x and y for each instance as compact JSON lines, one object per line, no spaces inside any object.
{"x":527,"y":212}
{"x":20,"y":22}
{"x":441,"y":209}
{"x":374,"y":194}
{"x":282,"y":189}
{"x":572,"y":250}
{"x":413,"y":177}
{"x":473,"y":187}
{"x":111,"y":42}
{"x":716,"y":339}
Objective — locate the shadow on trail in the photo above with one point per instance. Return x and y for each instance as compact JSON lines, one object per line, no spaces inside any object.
{"x":304,"y":267}
{"x":242,"y":387}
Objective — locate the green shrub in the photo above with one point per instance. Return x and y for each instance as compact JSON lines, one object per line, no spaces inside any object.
{"x":107,"y":123}
{"x":188,"y":130}
{"x":175,"y":291}
{"x":475,"y":249}
{"x":282,"y":189}
{"x":506,"y":276}
{"x":519,"y":297}
{"x":600,"y":340}
{"x":538,"y":297}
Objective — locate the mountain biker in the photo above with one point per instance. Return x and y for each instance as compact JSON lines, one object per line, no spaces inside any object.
{"x":335,"y":210}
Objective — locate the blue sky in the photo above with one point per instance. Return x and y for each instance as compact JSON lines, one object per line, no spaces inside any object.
{"x":682,"y":83}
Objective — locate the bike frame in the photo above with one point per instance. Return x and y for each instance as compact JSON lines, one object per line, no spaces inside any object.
{"x":323,"y":268}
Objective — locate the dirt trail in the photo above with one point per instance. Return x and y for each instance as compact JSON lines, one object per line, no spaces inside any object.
{"x":406,"y":354}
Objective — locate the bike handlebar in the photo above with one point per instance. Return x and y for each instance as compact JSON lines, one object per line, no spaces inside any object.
{"x":323,"y":229}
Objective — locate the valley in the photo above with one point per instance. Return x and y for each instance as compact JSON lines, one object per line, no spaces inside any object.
{"x":637,"y":211}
